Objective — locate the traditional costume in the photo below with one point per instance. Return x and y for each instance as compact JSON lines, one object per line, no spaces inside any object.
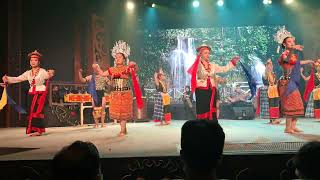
{"x":203,"y":81}
{"x":288,"y":84}
{"x":273,"y":95}
{"x":38,"y":92}
{"x":121,"y":108}
{"x":313,"y":89}
{"x":96,"y":88}
{"x":162,"y":101}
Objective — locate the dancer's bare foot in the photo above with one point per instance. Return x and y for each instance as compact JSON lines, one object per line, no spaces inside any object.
{"x":95,"y":126}
{"x":289,"y":131}
{"x":297,"y":130}
{"x":35,"y":134}
{"x":121,"y":134}
{"x":276,"y":121}
{"x":103,"y":125}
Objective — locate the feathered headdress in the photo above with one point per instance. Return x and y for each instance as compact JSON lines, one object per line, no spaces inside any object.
{"x":281,"y":35}
{"x":120,"y":47}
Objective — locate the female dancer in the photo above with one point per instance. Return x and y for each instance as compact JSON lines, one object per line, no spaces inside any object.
{"x":272,"y":93}
{"x":38,"y":92}
{"x":203,"y":82}
{"x":162,"y":99}
{"x":313,"y":105}
{"x":120,"y":107}
{"x":290,"y":97}
{"x":98,"y":99}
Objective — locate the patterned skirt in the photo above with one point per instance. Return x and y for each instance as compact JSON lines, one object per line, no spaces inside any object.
{"x":313,"y":106}
{"x":120,"y":108}
{"x":274,"y":108}
{"x":273,"y":96}
{"x":264,"y":103}
{"x":310,"y":107}
{"x":291,"y":105}
{"x":316,"y":103}
{"x":161,"y":112}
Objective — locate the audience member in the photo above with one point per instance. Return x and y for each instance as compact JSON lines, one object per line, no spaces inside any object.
{"x":202,"y":145}
{"x":306,"y":160}
{"x":78,"y":161}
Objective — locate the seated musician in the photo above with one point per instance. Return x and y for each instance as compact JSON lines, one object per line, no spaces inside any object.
{"x":238,"y":95}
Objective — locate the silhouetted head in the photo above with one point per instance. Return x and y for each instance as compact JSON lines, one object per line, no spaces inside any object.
{"x":80,"y":161}
{"x":202,"y":143}
{"x":306,"y":160}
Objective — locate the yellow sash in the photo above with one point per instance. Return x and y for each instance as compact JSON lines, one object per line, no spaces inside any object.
{"x":165,"y":99}
{"x":316,"y":94}
{"x":4,"y":99}
{"x":273,"y":91}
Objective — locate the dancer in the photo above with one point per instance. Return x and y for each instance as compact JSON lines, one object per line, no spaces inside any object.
{"x":272,"y":93}
{"x":162,"y":99}
{"x":37,"y":77}
{"x":290,"y":97}
{"x":203,"y":81}
{"x":312,"y":88}
{"x":120,"y":108}
{"x":97,"y":85}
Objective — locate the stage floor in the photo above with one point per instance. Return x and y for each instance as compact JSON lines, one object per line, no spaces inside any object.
{"x":148,"y":139}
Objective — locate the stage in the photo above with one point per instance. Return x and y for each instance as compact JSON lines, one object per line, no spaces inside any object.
{"x":147,"y":139}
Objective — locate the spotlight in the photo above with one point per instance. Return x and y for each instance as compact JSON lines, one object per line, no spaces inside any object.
{"x":289,"y":1}
{"x":195,"y":4}
{"x":130,"y":5}
{"x":220,"y":3}
{"x":266,"y":2}
{"x":153,"y":5}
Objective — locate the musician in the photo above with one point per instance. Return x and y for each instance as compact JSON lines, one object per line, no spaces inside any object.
{"x":187,"y":99}
{"x":238,"y":95}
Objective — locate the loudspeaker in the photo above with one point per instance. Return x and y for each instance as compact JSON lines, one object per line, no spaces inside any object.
{"x":238,"y":110}
{"x":243,"y":110}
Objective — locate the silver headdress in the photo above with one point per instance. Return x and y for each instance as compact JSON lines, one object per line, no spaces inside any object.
{"x":281,"y":35}
{"x":121,"y":47}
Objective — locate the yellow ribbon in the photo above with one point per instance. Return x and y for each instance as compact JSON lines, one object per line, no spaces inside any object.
{"x":4,"y":99}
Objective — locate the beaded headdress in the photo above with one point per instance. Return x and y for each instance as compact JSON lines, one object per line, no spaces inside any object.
{"x":281,"y":35}
{"x":120,"y":47}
